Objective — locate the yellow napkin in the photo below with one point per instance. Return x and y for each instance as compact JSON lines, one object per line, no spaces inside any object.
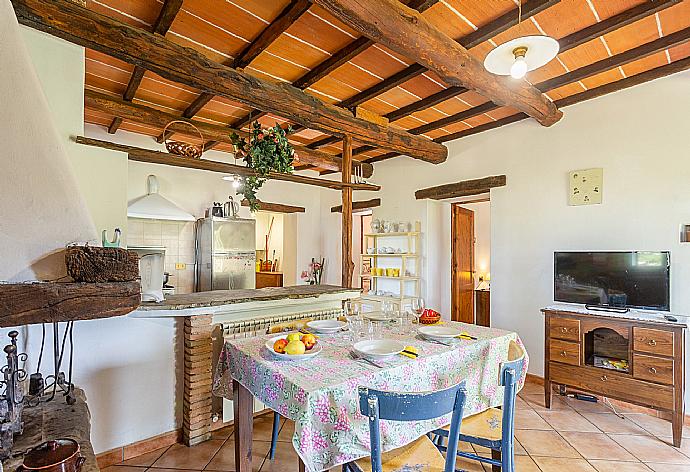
{"x":410,"y":351}
{"x":466,"y":335}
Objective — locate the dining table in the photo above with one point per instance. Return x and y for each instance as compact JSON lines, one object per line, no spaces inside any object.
{"x":320,"y":394}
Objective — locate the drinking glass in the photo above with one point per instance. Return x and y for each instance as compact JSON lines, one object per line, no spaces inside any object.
{"x":374,"y":330}
{"x":352,"y":309}
{"x":406,"y":320}
{"x":387,"y":308}
{"x":355,"y":325}
{"x":418,"y":306}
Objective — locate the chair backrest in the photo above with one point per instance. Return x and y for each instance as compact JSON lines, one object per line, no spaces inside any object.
{"x":378,"y":405}
{"x":510,"y":373}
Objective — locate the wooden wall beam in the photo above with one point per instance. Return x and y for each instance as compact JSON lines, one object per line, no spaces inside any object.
{"x":275,"y":207}
{"x":158,"y":157}
{"x":137,"y":113}
{"x":461,"y":189}
{"x":571,"y":41}
{"x":363,"y":205}
{"x":81,"y":26}
{"x":161,"y":26}
{"x":348,"y":266}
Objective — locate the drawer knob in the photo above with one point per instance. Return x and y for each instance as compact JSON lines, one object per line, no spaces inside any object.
{"x":564,"y":354}
{"x":564,"y":329}
{"x":652,"y":342}
{"x":652,"y":370}
{"x":604,"y":378}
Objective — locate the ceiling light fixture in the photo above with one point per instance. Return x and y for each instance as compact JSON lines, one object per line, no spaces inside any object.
{"x":521,"y":55}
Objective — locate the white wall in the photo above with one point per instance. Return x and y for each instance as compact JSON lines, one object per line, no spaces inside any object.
{"x":639,"y":137}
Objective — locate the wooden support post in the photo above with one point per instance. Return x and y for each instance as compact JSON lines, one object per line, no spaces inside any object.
{"x":348,"y":266}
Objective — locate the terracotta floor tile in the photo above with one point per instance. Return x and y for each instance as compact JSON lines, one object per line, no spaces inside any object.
{"x":531,"y":389}
{"x":537,"y":403}
{"x":521,"y":404}
{"x":222,"y":433}
{"x":669,"y":467}
{"x":611,"y":423}
{"x":568,"y":421}
{"x":587,"y":407}
{"x":225,"y":458}
{"x":650,"y":449}
{"x":545,"y":443}
{"x":656,"y":426}
{"x":597,"y":446}
{"x":560,"y":464}
{"x":287,"y":431}
{"x":684,"y":444}
{"x":263,"y":427}
{"x":183,"y":457}
{"x":123,"y":468}
{"x":153,"y":469}
{"x":524,"y":464}
{"x":529,"y":419}
{"x":617,"y":466}
{"x":286,"y":459}
{"x":146,"y":460}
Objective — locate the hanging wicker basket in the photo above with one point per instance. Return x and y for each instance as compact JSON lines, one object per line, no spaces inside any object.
{"x":184,"y":149}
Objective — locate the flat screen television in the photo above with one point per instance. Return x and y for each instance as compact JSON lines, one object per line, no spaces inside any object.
{"x":634,"y":279}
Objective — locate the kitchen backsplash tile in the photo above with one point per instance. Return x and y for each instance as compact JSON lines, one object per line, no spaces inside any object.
{"x":178,"y":240}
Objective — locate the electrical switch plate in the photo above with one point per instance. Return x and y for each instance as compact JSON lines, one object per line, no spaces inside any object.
{"x":180,"y":266}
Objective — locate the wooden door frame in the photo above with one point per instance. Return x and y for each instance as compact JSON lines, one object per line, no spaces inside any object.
{"x":455,"y":309}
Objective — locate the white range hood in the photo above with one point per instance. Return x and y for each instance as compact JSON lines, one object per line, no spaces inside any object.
{"x":156,"y":207}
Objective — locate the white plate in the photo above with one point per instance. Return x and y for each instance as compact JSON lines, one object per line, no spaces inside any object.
{"x":287,"y":357}
{"x":439,"y":331}
{"x":326,"y":326}
{"x":377,"y":349}
{"x":376,"y":316}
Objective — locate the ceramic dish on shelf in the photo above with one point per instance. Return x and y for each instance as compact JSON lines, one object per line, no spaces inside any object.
{"x":326,"y":326}
{"x":313,"y":352}
{"x":439,"y":332}
{"x":378,"y":349}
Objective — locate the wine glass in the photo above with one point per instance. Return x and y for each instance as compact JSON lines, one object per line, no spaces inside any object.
{"x":387,"y":308}
{"x":418,"y":306}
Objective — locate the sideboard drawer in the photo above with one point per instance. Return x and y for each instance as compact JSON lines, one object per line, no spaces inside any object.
{"x":653,"y":341}
{"x":655,"y":369}
{"x":564,"y":328}
{"x":613,"y":384}
{"x":564,"y":351}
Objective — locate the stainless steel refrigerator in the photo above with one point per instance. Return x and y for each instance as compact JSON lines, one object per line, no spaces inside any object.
{"x":225,"y":253}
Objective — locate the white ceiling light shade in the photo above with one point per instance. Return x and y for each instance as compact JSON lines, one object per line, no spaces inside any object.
{"x":521,"y":55}
{"x":236,"y":180}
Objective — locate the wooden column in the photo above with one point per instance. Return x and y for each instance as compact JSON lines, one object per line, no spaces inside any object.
{"x":196,"y":406}
{"x":348,"y":266}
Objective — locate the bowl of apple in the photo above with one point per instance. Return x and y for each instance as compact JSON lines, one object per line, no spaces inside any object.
{"x":294,"y":346}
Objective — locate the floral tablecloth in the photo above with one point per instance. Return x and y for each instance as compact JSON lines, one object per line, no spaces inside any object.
{"x":320,"y":394}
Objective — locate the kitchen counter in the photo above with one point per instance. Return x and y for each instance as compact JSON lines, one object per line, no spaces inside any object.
{"x":227,"y":301}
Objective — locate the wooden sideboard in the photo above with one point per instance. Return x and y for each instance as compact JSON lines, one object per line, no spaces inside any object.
{"x":269,"y":279}
{"x":654,"y":350}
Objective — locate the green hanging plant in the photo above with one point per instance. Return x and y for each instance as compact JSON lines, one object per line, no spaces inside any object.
{"x":268,"y":151}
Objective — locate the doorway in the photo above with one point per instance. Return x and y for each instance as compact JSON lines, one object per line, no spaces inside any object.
{"x":471,"y":260}
{"x":462,"y":264}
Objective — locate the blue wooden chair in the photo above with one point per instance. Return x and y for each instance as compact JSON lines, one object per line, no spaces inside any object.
{"x":493,"y":428}
{"x":421,"y":455}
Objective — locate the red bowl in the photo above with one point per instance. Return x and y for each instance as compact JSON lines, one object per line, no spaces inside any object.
{"x":430,"y":317}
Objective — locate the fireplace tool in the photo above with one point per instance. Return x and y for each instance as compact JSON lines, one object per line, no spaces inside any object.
{"x":12,"y":399}
{"x":38,"y":386}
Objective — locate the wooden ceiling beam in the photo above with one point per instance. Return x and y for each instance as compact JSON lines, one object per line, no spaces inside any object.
{"x":631,"y":81}
{"x":81,"y":26}
{"x":595,"y":68}
{"x":275,"y":207}
{"x":143,"y":114}
{"x":163,"y":22}
{"x":158,"y":157}
{"x":569,"y":42}
{"x":464,"y":188}
{"x":499,"y":25}
{"x":363,"y":205}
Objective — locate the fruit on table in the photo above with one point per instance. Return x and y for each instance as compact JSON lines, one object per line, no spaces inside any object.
{"x":280,"y":345}
{"x":293,"y":337}
{"x":309,"y":341}
{"x":295,"y":348}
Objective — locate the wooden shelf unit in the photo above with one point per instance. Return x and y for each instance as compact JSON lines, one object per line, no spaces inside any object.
{"x":654,"y":351}
{"x":409,"y":285}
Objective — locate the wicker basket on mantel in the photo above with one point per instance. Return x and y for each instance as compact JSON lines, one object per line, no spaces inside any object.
{"x":184,"y":149}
